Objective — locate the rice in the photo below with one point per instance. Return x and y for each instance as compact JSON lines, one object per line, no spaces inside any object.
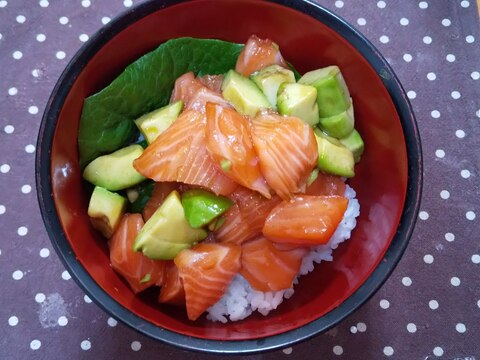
{"x":240,"y":300}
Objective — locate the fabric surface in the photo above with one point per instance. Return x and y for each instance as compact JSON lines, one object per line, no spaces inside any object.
{"x":430,"y":306}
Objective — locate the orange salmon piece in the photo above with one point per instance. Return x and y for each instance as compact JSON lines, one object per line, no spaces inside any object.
{"x":228,"y":140}
{"x":326,"y":184}
{"x":287,"y":150}
{"x":180,"y":154}
{"x":160,"y":191}
{"x":305,"y":220}
{"x":213,"y":82}
{"x":172,"y":289}
{"x":206,"y":271}
{"x":257,"y":54}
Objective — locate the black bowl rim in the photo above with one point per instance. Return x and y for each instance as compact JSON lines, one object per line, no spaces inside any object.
{"x":332,"y":318}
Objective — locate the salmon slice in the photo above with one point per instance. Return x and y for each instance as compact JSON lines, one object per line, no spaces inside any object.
{"x":213,"y":82}
{"x":180,"y":154}
{"x":172,"y":290}
{"x":229,"y":142}
{"x":268,"y":268}
{"x":139,"y":271}
{"x":257,"y":54}
{"x":195,"y":94}
{"x":160,"y":191}
{"x":206,"y":271}
{"x":245,"y":219}
{"x":326,"y":184}
{"x":305,"y":220}
{"x":287,"y":150}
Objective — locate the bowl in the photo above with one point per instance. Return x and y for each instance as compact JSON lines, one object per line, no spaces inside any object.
{"x":388,"y":180}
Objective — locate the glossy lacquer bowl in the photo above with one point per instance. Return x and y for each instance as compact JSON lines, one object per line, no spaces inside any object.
{"x":388,"y":179}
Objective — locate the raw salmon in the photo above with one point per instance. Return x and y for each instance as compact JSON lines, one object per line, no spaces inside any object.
{"x":245,"y":219}
{"x":160,"y":191}
{"x":172,"y":290}
{"x":180,"y":154}
{"x":139,"y":271}
{"x":229,"y":142}
{"x":213,"y":82}
{"x":268,"y":268}
{"x":305,"y":220}
{"x":326,"y":185}
{"x":257,"y":54}
{"x":206,"y":271}
{"x":287,"y":150}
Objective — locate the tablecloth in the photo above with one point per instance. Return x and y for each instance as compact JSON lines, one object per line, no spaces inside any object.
{"x":429,"y":308}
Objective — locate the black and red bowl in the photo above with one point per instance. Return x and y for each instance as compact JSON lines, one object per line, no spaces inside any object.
{"x":388,"y":180}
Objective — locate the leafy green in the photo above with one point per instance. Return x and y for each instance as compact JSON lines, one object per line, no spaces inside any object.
{"x":145,"y":191}
{"x":107,"y":117}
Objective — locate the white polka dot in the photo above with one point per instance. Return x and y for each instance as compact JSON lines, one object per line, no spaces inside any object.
{"x":362,"y":327}
{"x":20,"y":19}
{"x":337,"y":350}
{"x":476,"y":259}
{"x":461,"y":328}
{"x":411,"y":328}
{"x":17,"y":275}
{"x":361,"y":21}
{"x":87,"y":299}
{"x":427,"y":40}
{"x":388,"y":350}
{"x":33,"y":110}
{"x":36,"y":73}
{"x":35,"y":344}
{"x":404,"y":21}
{"x":22,"y":231}
{"x":465,"y":4}
{"x":5,"y":168}
{"x":12,"y":91}
{"x":66,"y":275}
{"x":26,"y":189}
{"x":431,"y":76}
{"x":444,"y":194}
{"x":438,"y":351}
{"x":460,"y":134}
{"x":353,"y":329}
{"x":83,"y":37}
{"x":446,"y":22}
{"x":407,"y":57}
{"x":127,"y":3}
{"x":3,"y":3}
{"x":456,"y":95}
{"x":287,"y":351}
{"x":433,"y":304}
{"x":39,"y":298}
{"x":85,"y":345}
{"x":41,"y":37}
{"x":339,"y":4}
{"x":63,"y":20}
{"x":477,"y":113}
{"x":450,"y":58}
{"x":469,"y":39}
{"x":428,"y":259}
{"x":440,"y":153}
{"x":86,"y":3}
{"x":384,"y":304}
{"x":478,"y":303}
{"x":423,"y":5}
{"x":406,"y":281}
{"x":423,"y":215}
{"x":12,"y":320}
{"x":62,"y":321}
{"x":2,"y":209}
{"x":105,"y":20}
{"x":465,"y":173}
{"x":449,"y":237}
{"x":455,"y":281}
{"x":435,"y":114}
{"x":475,"y":75}
{"x":411,"y":94}
{"x":111,"y":322}
{"x":43,"y":3}
{"x":17,"y":55}
{"x":30,"y":148}
{"x":9,"y":129}
{"x":381,"y":4}
{"x":44,"y":253}
{"x":136,"y":345}
{"x":470,"y":215}
{"x":60,"y":55}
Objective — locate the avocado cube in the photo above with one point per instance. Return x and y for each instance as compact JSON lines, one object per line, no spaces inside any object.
{"x":340,"y":125}
{"x":269,"y":80}
{"x":354,"y":143}
{"x":298,"y":100}
{"x":333,"y":157}
{"x":105,"y":210}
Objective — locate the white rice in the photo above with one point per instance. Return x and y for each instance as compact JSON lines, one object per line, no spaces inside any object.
{"x":240,"y":300}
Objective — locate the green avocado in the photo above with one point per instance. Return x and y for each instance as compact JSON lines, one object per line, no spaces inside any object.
{"x":340,"y":125}
{"x":201,"y":206}
{"x":243,"y":94}
{"x":154,"y":123}
{"x":354,"y":143}
{"x":333,"y":157}
{"x":115,"y":171}
{"x":298,"y":100}
{"x":269,"y":80}
{"x":167,"y":232}
{"x":106,"y":210}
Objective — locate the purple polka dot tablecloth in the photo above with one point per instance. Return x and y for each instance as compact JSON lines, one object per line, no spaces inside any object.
{"x":429,"y":308}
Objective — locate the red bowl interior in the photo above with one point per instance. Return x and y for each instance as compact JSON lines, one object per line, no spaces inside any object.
{"x":380,"y":182}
